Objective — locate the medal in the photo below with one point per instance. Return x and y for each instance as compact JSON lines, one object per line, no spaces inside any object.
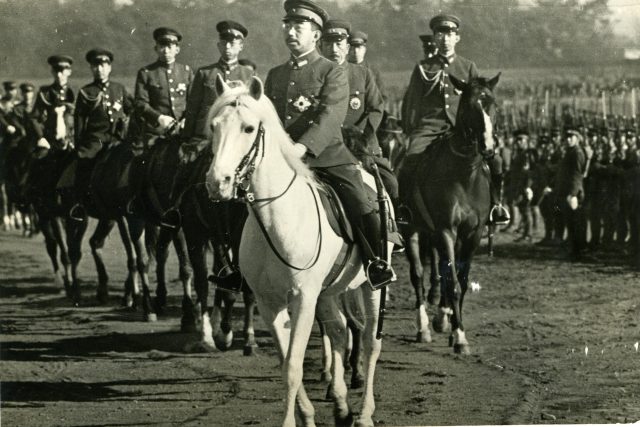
{"x":355,"y":103}
{"x":302,"y":104}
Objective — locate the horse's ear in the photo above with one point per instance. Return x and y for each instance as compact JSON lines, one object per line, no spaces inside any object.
{"x":256,"y":89}
{"x":221,"y":85}
{"x":494,"y":81}
{"x":457,"y":83}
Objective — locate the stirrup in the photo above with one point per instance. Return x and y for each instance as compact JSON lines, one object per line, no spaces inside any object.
{"x":232,"y":282}
{"x":379,"y":273}
{"x":171,"y":219}
{"x":403,"y":216}
{"x":499,"y":215}
{"x":77,"y":212}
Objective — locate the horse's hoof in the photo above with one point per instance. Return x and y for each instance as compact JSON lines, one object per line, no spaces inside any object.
{"x":326,"y":377}
{"x":357,"y":381}
{"x":329,"y":394}
{"x":151,"y":317}
{"x":249,"y":350}
{"x":159,"y":304}
{"x":423,"y":336}
{"x":462,"y":349}
{"x":436,"y":323}
{"x":201,"y":347}
{"x":450,"y":340}
{"x":224,"y":341}
{"x":343,"y":420}
{"x":188,"y":326}
{"x":102,"y":297}
{"x":364,"y":423}
{"x":433,"y":297}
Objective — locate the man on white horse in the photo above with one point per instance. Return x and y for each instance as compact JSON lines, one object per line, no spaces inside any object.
{"x":311,"y":95}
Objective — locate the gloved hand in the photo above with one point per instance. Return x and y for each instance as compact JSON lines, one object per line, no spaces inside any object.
{"x":368,"y":162}
{"x":573,"y":202}
{"x":165,"y":122}
{"x":528,"y":193}
{"x":43,"y":143}
{"x":11,"y":129}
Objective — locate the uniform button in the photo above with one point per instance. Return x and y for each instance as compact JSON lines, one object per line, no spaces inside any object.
{"x":288,"y":117}
{"x":292,"y":83}
{"x":446,"y":65}
{"x":227,"y":72}
{"x":446,"y":95}
{"x":111,"y":120}
{"x":172,"y":98}
{"x":446,"y":85}
{"x":170,"y":80}
{"x":446,"y":106}
{"x":172,"y":90}
{"x":310,"y":122}
{"x":110,"y":112}
{"x":168,"y":71}
{"x":106,"y":96}
{"x":290,"y":100}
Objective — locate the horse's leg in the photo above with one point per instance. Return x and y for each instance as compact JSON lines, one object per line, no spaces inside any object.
{"x":454,"y":291}
{"x":188,"y":321}
{"x":416,"y":274}
{"x":131,"y":285}
{"x":96,"y":242}
{"x":327,"y":358}
{"x":335,"y":325}
{"x":302,"y":308}
{"x":59,"y":237}
{"x":221,"y":315}
{"x":75,"y":234}
{"x":428,"y":250}
{"x":161,"y":254}
{"x":250,"y":344}
{"x":371,"y":346}
{"x":52,"y":251}
{"x":136,"y":230}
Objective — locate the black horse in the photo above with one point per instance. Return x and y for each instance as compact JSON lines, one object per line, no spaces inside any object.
{"x":450,"y":202}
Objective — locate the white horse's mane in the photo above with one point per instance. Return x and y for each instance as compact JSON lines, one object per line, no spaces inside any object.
{"x":239,"y":96}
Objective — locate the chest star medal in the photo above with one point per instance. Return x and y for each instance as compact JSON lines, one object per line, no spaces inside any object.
{"x":301,"y":104}
{"x":355,"y":103}
{"x":117,"y":106}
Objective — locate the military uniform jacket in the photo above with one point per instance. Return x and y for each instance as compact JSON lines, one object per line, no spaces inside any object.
{"x":203,"y":95}
{"x":102,"y":112}
{"x":311,"y":96}
{"x":569,"y":179}
{"x":44,"y":115}
{"x":430,"y":104}
{"x":162,"y":89}
{"x":365,"y":107}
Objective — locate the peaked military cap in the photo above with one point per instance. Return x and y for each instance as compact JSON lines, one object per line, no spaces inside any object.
{"x":574,"y":132}
{"x":358,"y":38}
{"x":444,"y":22}
{"x":60,"y":61}
{"x":305,"y":10}
{"x":99,"y":56}
{"x":521,"y":133}
{"x":231,"y":30}
{"x":27,"y":87}
{"x":166,"y":34}
{"x":9,"y":85}
{"x":336,"y":30}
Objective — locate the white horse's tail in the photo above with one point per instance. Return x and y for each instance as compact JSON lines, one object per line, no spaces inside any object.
{"x":353,"y":304}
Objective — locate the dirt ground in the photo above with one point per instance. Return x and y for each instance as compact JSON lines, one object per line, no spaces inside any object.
{"x":552,"y":342}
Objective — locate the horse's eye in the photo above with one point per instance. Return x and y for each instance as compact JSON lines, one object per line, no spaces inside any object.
{"x":249,"y":129}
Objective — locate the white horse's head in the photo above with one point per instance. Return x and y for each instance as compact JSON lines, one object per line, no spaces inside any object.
{"x":243,"y":123}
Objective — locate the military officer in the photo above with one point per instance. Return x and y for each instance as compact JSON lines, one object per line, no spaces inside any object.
{"x":365,"y":104}
{"x":430,"y":105}
{"x":55,"y":106}
{"x":101,"y":118}
{"x":7,"y":104}
{"x":429,"y":46}
{"x":202,"y":96}
{"x":311,"y":96}
{"x":162,"y":87}
{"x":358,"y":41}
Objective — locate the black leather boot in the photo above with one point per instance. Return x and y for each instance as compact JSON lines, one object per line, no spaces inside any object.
{"x":378,"y":270}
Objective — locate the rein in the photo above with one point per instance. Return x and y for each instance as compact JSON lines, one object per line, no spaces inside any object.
{"x":242,"y":186}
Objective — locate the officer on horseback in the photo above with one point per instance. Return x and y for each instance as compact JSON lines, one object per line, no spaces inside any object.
{"x":430,"y":106}
{"x":366,"y":105}
{"x":162,"y":87}
{"x":101,"y":120}
{"x":311,"y":96}
{"x":202,"y":96}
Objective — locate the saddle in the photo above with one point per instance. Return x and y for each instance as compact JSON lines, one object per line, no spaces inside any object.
{"x":335,"y":212}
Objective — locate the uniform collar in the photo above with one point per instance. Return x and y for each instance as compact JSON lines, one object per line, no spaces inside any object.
{"x":447,"y":59}
{"x":304,"y":59}
{"x":166,"y":65}
{"x":102,"y":85}
{"x":227,"y":65}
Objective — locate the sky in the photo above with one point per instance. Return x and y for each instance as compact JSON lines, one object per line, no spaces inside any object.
{"x":627,"y":15}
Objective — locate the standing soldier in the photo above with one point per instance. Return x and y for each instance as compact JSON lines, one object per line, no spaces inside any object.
{"x":101,"y":119}
{"x":201,"y":97}
{"x":430,"y":106}
{"x":311,"y":96}
{"x":358,"y":41}
{"x":162,"y":87}
{"x":365,"y":105}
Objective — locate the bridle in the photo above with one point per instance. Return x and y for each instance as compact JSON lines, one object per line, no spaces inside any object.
{"x":242,"y":186}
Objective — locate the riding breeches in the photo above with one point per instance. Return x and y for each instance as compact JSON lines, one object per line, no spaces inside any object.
{"x":346,"y":180}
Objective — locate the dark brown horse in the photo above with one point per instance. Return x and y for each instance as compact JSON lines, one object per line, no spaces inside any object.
{"x":450,"y":202}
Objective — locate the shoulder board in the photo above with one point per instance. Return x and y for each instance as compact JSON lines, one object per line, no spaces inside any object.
{"x":44,"y":98}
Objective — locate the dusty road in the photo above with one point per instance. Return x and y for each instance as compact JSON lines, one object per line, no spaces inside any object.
{"x":552,"y":342}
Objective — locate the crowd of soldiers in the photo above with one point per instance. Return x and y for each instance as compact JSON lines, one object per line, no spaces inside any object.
{"x":544,"y":169}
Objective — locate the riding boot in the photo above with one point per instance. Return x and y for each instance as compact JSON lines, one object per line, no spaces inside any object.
{"x":172,"y":218}
{"x":82,"y":184}
{"x":499,"y":214}
{"x":379,"y":272}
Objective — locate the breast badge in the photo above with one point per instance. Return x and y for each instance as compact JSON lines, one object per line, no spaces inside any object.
{"x":302,"y":104}
{"x":355,"y":103}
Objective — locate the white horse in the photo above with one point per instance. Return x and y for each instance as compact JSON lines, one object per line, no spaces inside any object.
{"x":288,"y":247}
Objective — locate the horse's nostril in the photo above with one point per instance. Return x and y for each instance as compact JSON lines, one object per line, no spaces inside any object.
{"x":227,"y":178}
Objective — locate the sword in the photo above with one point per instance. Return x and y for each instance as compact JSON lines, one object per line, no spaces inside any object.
{"x":384,"y":231}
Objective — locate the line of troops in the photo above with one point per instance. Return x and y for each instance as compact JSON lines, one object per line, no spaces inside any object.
{"x":585,"y":181}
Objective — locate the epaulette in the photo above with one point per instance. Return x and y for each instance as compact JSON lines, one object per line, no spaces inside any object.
{"x":44,"y":98}
{"x":88,"y":98}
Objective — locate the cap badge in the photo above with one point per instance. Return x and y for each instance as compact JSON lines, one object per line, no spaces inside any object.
{"x":302,"y":104}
